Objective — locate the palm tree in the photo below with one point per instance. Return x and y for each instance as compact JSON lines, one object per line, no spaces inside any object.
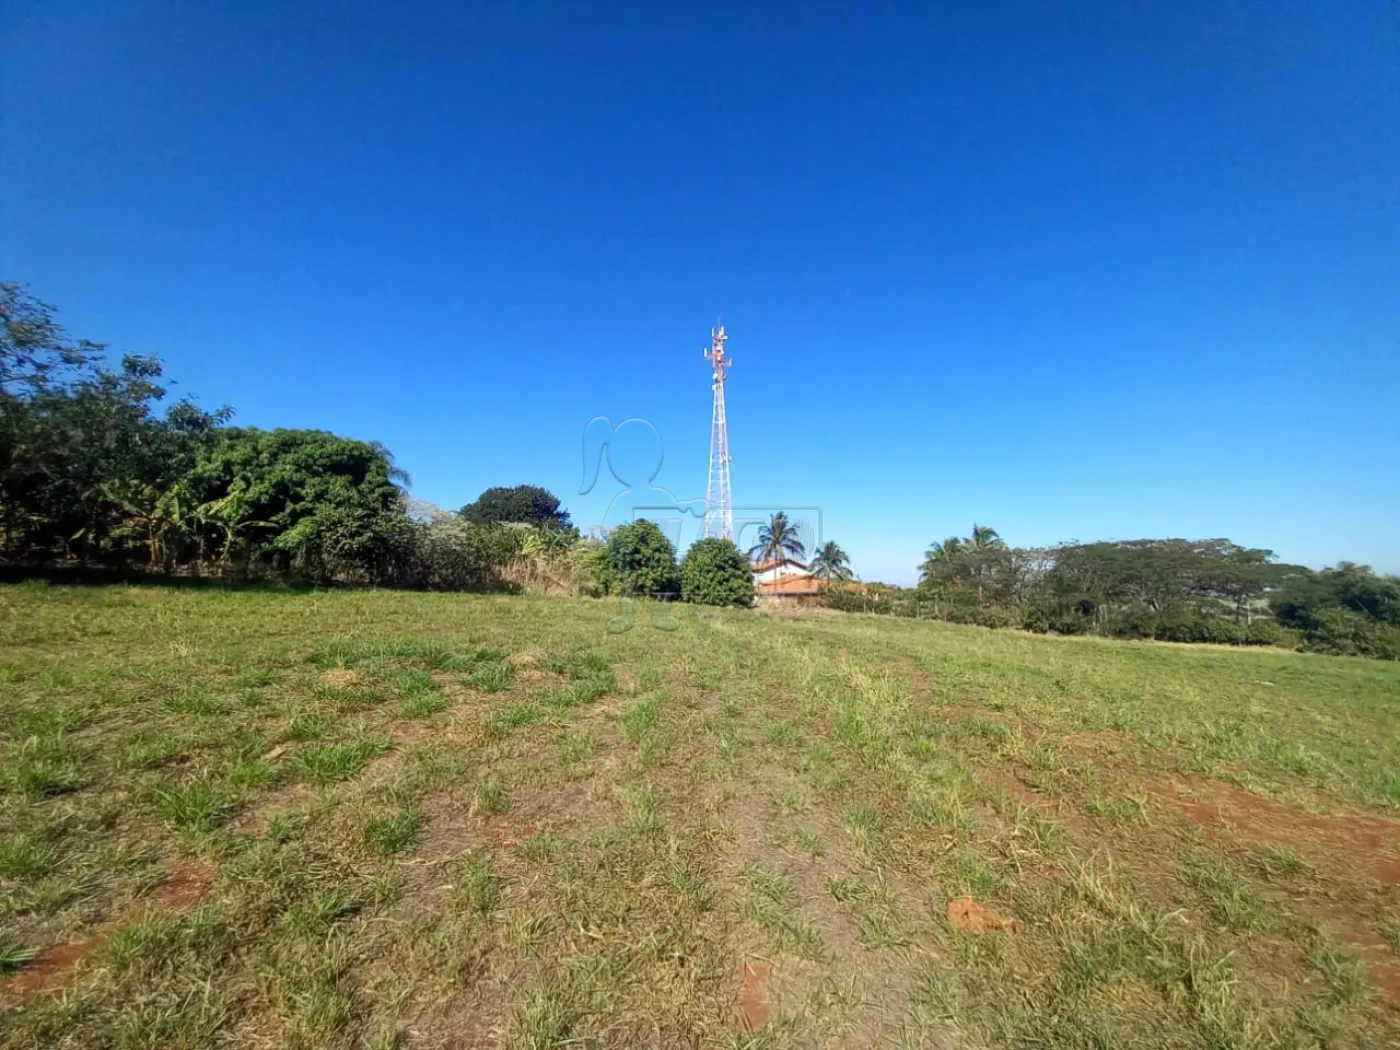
{"x":777,"y":540}
{"x":941,"y":555}
{"x":984,"y":537}
{"x":831,"y":563}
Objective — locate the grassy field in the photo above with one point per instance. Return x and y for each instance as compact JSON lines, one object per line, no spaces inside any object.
{"x":392,"y":820}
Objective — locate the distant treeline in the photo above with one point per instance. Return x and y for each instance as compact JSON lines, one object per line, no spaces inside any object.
{"x":1171,"y":590}
{"x":100,"y":473}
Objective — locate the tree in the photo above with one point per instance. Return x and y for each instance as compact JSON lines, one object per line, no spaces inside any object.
{"x":35,"y":351}
{"x":831,"y":563}
{"x":523,"y":504}
{"x":715,"y":572}
{"x":979,"y":570}
{"x":777,"y":540}
{"x":641,"y":561}
{"x":317,"y":502}
{"x":939,"y":561}
{"x":984,"y":537}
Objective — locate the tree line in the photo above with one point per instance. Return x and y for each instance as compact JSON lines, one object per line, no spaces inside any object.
{"x":1168,"y":589}
{"x":101,"y":471}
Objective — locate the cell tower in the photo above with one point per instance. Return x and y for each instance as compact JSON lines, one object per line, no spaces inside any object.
{"x":719,"y":515}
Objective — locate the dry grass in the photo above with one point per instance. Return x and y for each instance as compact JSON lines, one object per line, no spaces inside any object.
{"x":456,"y":821}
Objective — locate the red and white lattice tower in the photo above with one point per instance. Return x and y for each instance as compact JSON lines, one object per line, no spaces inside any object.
{"x":719,"y":514}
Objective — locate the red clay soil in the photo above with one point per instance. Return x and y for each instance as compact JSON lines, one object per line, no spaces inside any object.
{"x":185,"y":887}
{"x":1353,"y":841}
{"x":1382,"y":964}
{"x":966,"y":914}
{"x":53,"y":971}
{"x":755,"y":1008}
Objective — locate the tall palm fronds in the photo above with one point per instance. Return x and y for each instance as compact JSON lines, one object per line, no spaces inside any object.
{"x":778,"y":539}
{"x":831,"y":563}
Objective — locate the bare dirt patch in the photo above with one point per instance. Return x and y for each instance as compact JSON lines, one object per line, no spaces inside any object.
{"x":56,"y":969}
{"x":53,"y":971}
{"x":1351,"y":842}
{"x":970,"y":916}
{"x":185,"y":887}
{"x":755,"y":1006}
{"x":1382,"y":964}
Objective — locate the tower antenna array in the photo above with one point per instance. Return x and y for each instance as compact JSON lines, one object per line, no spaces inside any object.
{"x":719,"y":514}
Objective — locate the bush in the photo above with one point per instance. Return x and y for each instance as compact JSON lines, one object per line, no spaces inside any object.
{"x":714,"y":572}
{"x":1180,"y":626}
{"x":1136,"y":621}
{"x":992,"y":616}
{"x":455,"y":555}
{"x":1346,"y":633}
{"x":1270,"y":632}
{"x":640,"y":560}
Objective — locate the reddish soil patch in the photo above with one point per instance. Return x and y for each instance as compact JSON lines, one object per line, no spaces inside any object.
{"x":185,"y":887}
{"x":1382,"y":965}
{"x":1352,"y":842}
{"x":54,"y":970}
{"x":755,"y":1008}
{"x":1074,"y":822}
{"x":966,"y":914}
{"x":502,"y":835}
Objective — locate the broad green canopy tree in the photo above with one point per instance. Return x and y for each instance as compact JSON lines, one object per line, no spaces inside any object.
{"x":520,"y":504}
{"x":308,"y":495}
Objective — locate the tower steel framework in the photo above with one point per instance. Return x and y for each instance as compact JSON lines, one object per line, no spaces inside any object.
{"x":719,"y":512}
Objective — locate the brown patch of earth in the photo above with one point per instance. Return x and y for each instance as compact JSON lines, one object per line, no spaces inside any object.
{"x":1382,"y":964}
{"x":55,"y":970}
{"x":500,"y":833}
{"x":968,"y":915}
{"x":185,"y":887}
{"x":1351,"y":842}
{"x":755,"y":1007}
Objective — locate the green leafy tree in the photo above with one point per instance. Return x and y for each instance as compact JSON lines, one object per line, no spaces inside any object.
{"x":520,"y":504}
{"x":715,"y":572}
{"x":640,"y":561}
{"x":86,"y":461}
{"x":831,"y":563}
{"x":778,"y":539}
{"x":317,"y":503}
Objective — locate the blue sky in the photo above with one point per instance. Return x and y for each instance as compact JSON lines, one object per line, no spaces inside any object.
{"x":1073,"y":270}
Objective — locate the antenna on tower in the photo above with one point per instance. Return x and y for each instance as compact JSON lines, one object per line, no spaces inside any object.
{"x":719,"y":514}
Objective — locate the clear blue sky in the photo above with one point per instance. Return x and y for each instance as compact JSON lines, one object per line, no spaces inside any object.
{"x":1075,"y":270}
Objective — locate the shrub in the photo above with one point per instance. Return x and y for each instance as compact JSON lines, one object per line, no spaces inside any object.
{"x":641,"y":561}
{"x":1181,"y":626}
{"x":1270,"y":632}
{"x":1136,"y":621}
{"x":1346,"y":633}
{"x":993,"y":616}
{"x":714,"y":572}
